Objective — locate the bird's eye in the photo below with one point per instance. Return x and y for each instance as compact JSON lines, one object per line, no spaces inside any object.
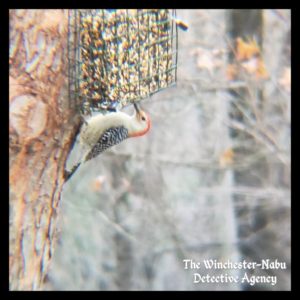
{"x":143,"y":119}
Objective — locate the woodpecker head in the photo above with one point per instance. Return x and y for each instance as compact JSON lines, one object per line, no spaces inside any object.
{"x":141,"y":122}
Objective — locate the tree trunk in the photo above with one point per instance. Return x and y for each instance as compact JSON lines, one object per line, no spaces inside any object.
{"x":42,"y":126}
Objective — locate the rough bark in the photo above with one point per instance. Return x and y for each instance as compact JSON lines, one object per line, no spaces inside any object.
{"x":41,"y":129}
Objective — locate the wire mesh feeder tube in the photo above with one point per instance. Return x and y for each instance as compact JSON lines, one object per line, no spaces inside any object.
{"x":120,"y":56}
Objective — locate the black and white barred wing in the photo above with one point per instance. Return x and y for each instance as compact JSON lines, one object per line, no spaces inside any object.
{"x":109,"y":138}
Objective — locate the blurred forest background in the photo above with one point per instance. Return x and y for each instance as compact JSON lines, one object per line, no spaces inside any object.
{"x":210,"y":181}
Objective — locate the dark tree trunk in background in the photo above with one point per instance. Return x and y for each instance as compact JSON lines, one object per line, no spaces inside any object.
{"x":41,"y":131}
{"x":255,"y":218}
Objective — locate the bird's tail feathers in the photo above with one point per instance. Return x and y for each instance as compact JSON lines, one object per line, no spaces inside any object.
{"x":69,"y":174}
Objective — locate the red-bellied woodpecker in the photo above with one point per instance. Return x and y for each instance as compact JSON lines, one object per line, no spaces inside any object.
{"x":104,"y":131}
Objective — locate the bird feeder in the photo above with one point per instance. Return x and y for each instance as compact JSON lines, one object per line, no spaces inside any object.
{"x":117,"y":56}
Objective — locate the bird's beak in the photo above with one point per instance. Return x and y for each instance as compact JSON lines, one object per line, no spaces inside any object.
{"x":136,"y":108}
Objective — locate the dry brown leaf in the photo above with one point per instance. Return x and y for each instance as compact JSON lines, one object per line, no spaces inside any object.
{"x":261,"y":72}
{"x":246,"y":50}
{"x":97,"y":183}
{"x":256,"y":66}
{"x":226,"y":158}
{"x":207,"y":59}
{"x":248,"y":56}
